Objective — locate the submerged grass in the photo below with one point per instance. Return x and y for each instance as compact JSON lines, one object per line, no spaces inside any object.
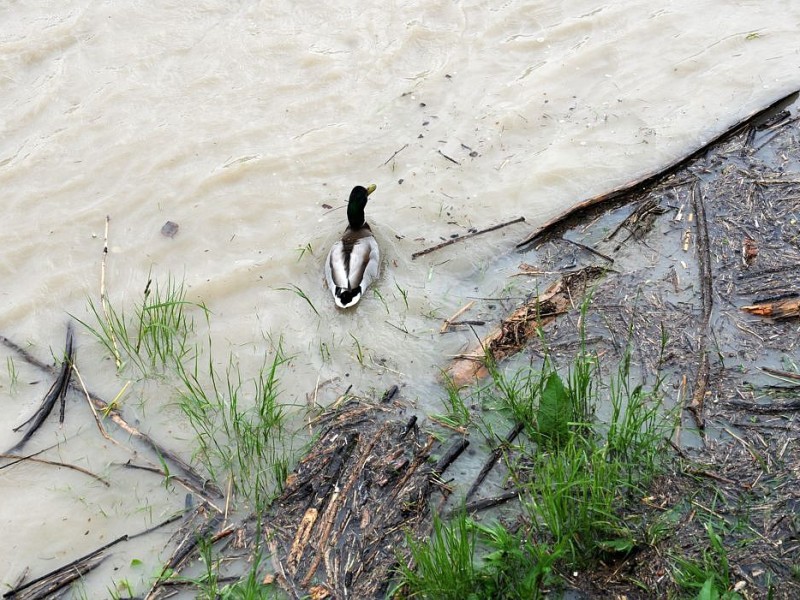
{"x":238,"y":419}
{"x":239,"y":423}
{"x":156,"y":336}
{"x":456,"y":413}
{"x":13,"y":375}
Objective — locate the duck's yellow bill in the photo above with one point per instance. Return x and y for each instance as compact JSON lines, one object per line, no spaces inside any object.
{"x":371,"y":188}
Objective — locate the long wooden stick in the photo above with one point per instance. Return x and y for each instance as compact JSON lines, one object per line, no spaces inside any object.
{"x":697,"y":398}
{"x":465,"y":237}
{"x":77,"y":566}
{"x":104,"y":297}
{"x":781,"y":374}
{"x":650,"y":177}
{"x":22,"y":458}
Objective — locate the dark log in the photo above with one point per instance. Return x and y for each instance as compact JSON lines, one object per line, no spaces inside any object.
{"x":46,"y":585}
{"x":484,"y":503}
{"x":56,"y":392}
{"x":495,"y":455}
{"x":451,"y":454}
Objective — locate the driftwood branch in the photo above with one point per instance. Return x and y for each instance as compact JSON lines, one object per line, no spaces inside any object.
{"x":706,"y":303}
{"x":515,"y":331}
{"x":56,"y":392}
{"x":465,"y":237}
{"x":493,"y":457}
{"x":771,"y":408}
{"x":786,"y":308}
{"x":484,"y":503}
{"x":46,"y":585}
{"x":207,"y":487}
{"x":650,"y":178}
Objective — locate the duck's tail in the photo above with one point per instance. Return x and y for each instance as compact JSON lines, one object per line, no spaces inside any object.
{"x":345,"y":297}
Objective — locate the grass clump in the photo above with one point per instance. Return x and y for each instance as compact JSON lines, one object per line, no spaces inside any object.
{"x":156,"y":336}
{"x":466,"y":560}
{"x":708,"y":577}
{"x":445,"y":564}
{"x":456,"y":415}
{"x":239,"y":423}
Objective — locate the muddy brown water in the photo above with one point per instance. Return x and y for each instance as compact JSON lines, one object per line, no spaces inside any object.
{"x":239,"y":121}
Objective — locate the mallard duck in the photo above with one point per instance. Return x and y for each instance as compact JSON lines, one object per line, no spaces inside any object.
{"x":354,"y":261}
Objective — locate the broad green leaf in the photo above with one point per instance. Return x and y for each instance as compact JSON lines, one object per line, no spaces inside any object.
{"x":554,"y":410}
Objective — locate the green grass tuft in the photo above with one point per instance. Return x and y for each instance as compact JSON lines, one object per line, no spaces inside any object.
{"x":156,"y":336}
{"x":240,"y":425}
{"x":709,"y":576}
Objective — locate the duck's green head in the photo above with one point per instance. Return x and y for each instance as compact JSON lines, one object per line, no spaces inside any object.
{"x":357,"y":204}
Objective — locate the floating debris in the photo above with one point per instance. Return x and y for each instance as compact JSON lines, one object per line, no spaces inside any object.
{"x":169,"y":229}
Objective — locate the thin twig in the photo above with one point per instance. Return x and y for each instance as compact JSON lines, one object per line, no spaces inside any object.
{"x":188,"y":484}
{"x":21,"y":458}
{"x":458,"y":313}
{"x":27,"y":456}
{"x":589,"y":249}
{"x":452,"y":160}
{"x":781,"y":374}
{"x":102,"y":429}
{"x":176,"y":517}
{"x":395,"y":154}
{"x":465,"y":237}
{"x":104,"y":297}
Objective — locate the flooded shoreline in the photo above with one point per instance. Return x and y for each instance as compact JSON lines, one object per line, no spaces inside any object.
{"x":241,"y":123}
